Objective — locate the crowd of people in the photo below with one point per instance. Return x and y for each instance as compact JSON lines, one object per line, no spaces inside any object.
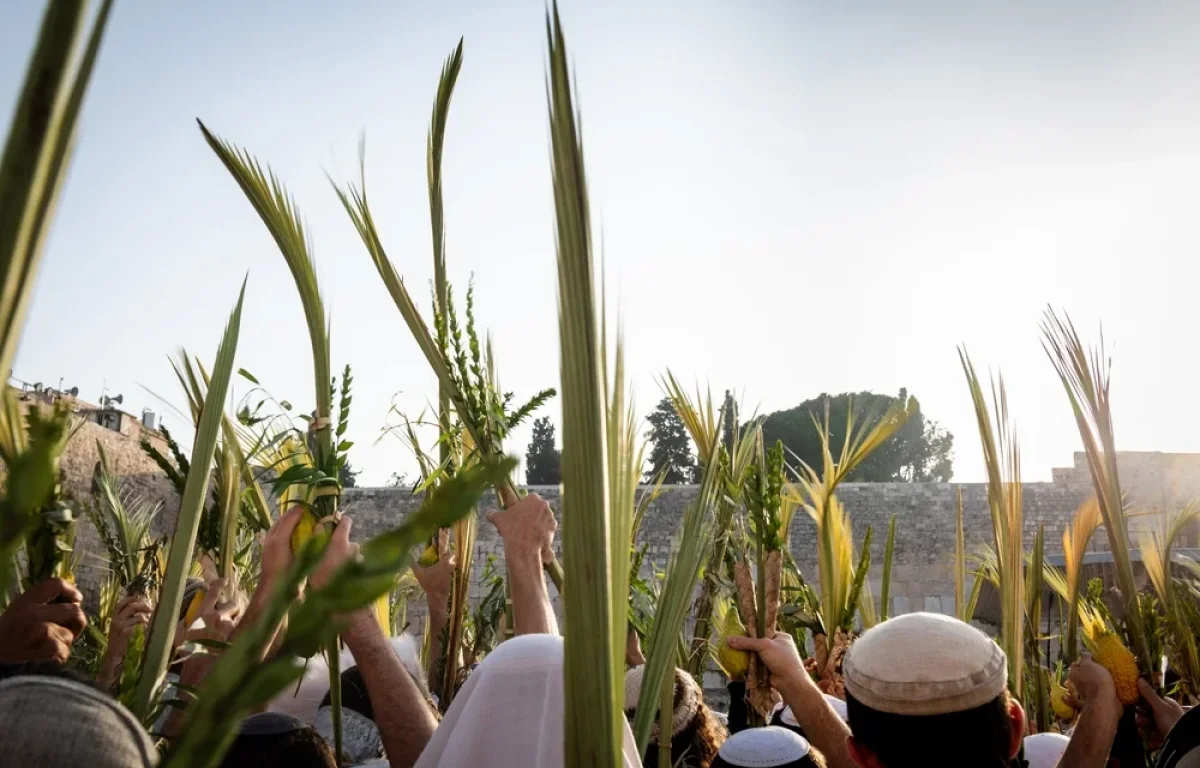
{"x":921,"y":689}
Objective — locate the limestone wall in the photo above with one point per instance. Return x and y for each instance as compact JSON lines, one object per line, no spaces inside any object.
{"x":925,"y":513}
{"x":921,"y":573}
{"x":138,"y":473}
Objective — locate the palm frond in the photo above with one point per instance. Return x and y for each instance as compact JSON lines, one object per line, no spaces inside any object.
{"x":1074,"y":543}
{"x":699,"y":415}
{"x":1002,"y":459}
{"x":817,"y":490}
{"x":1157,"y":559}
{"x":277,"y":209}
{"x":885,"y":588}
{"x":626,"y":454}
{"x":37,"y":153}
{"x":593,"y":685}
{"x":1085,"y":378}
{"x":433,"y":161}
{"x":689,"y":550}
{"x":180,"y":558}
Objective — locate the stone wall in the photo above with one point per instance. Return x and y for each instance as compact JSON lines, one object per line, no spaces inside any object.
{"x":138,"y":473}
{"x":925,"y":520}
{"x":921,"y":572}
{"x":925,"y":512}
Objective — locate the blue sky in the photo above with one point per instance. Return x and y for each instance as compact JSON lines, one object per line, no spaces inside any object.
{"x":794,"y":197}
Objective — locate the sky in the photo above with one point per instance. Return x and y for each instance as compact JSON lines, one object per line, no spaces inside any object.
{"x":793,"y":198}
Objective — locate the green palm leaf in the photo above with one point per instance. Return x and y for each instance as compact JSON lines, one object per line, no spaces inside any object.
{"x":593,"y":719}
{"x":195,"y":491}
{"x":37,"y":153}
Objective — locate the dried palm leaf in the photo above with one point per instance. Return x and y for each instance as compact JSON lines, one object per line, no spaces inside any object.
{"x":1085,"y":378}
{"x":1002,"y":459}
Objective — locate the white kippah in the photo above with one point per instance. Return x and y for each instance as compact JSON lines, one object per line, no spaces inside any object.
{"x":837,"y":705}
{"x":788,"y":718}
{"x":764,"y":747}
{"x":1044,"y":750}
{"x":924,"y":664}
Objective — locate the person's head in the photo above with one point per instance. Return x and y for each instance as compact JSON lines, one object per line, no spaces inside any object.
{"x":510,"y":711}
{"x":45,"y":669}
{"x":769,"y":747}
{"x":1182,"y":746}
{"x":785,"y":718}
{"x":361,"y":740}
{"x":274,"y":740}
{"x":928,"y":690}
{"x":696,"y":734}
{"x":51,"y":720}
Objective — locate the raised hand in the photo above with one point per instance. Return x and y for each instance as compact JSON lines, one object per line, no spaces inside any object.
{"x":42,"y":623}
{"x":526,"y":526}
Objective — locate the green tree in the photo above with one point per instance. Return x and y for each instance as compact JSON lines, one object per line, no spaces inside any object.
{"x":348,"y":475}
{"x":543,"y":462}
{"x":921,"y":452}
{"x":672,"y":448}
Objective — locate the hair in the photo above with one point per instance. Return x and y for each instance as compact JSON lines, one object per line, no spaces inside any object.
{"x":697,"y":744}
{"x":354,"y":694}
{"x":301,"y":748}
{"x":978,"y":737}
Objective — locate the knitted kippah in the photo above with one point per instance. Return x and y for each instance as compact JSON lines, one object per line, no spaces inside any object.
{"x":924,"y":664}
{"x":764,"y":747}
{"x":687,"y":698}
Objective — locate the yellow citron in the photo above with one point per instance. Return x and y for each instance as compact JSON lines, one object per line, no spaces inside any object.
{"x":303,"y":531}
{"x":735,"y":663}
{"x":429,"y":556}
{"x":193,"y":610}
{"x":1058,"y":702}
{"x":1110,"y":652}
{"x":383,"y":613}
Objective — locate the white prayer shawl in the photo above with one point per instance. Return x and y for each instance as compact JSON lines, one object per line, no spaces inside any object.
{"x":304,"y":702}
{"x":509,"y":713}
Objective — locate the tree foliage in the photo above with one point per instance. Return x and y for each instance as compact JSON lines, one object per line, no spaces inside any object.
{"x":672,"y":450}
{"x":543,"y":462}
{"x":348,"y":475}
{"x":920,"y":452}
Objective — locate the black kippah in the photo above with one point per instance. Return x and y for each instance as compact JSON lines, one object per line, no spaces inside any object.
{"x":354,"y":694}
{"x":270,"y":724}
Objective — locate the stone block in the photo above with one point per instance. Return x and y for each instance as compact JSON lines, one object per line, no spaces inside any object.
{"x":947,"y":603}
{"x":900,"y":605}
{"x":933,"y":605}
